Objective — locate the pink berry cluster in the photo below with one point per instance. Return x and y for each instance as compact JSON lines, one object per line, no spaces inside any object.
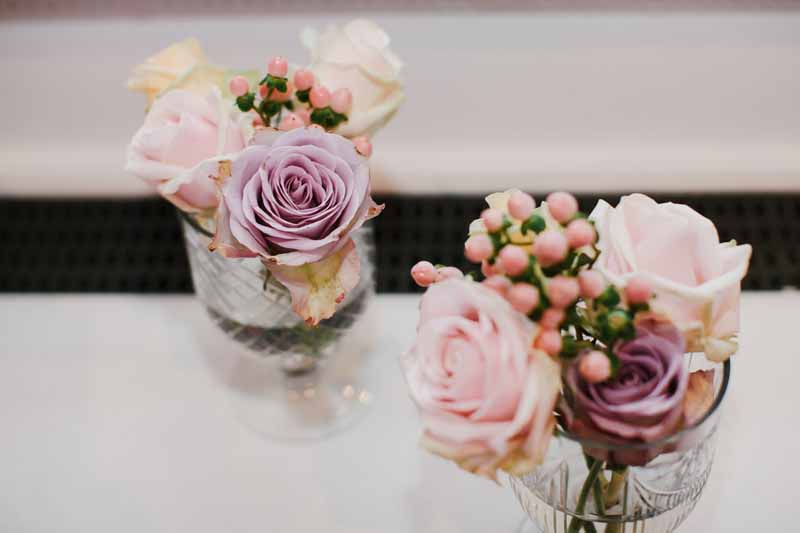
{"x":296,"y":103}
{"x":540,"y":259}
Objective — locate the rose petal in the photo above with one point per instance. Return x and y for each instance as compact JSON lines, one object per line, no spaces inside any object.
{"x":699,"y":396}
{"x":317,"y":288}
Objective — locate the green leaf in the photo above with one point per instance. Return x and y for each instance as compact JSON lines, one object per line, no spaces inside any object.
{"x":497,"y":241}
{"x":270,"y":107}
{"x":615,"y":364}
{"x":535,"y":223}
{"x":303,"y":95}
{"x":288,"y":104}
{"x":245,"y":102}
{"x":609,"y":297}
{"x":324,"y":117}
{"x":569,"y":347}
{"x":583,"y":260}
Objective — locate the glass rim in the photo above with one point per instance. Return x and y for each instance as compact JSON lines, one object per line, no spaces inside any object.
{"x":666,"y":440}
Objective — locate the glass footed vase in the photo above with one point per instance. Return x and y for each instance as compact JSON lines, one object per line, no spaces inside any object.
{"x":295,"y":381}
{"x":585,"y":485}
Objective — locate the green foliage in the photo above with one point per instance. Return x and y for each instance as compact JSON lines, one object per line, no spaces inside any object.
{"x":270,"y":107}
{"x":609,"y":297}
{"x":274,"y":82}
{"x":535,"y":223}
{"x":302,"y":95}
{"x":245,"y":102}
{"x":327,"y":118}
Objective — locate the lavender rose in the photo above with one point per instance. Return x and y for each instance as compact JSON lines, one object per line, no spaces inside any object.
{"x":294,"y":199}
{"x":642,"y":403}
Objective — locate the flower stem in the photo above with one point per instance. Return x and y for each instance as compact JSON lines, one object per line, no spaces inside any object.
{"x":597,"y":493}
{"x":612,"y":495}
{"x":576,"y":523}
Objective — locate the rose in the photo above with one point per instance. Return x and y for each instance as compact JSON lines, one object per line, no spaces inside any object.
{"x":294,"y":199}
{"x":357,"y":57}
{"x":696,"y":278}
{"x":642,"y":403}
{"x":162,"y":70}
{"x":181,"y":132}
{"x":485,"y":396}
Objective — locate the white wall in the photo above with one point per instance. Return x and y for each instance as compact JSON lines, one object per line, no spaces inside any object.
{"x":605,"y":102}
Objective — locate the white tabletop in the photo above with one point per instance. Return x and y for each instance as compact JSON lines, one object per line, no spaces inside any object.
{"x":114,"y":417}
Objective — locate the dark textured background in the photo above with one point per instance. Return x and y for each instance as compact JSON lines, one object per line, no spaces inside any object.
{"x":135,"y":246}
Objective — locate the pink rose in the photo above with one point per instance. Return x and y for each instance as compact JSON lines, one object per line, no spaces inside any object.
{"x":181,"y":133}
{"x":485,"y":396}
{"x":696,"y":279}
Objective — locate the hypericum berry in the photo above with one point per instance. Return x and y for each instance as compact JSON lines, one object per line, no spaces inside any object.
{"x":478,"y":248}
{"x":549,"y":341}
{"x":448,"y":272}
{"x":283,"y":96}
{"x":303,"y":79}
{"x":363,"y":146}
{"x":278,"y":67}
{"x":638,"y":290}
{"x":580,"y":233}
{"x":594,"y":366}
{"x":562,"y":205}
{"x":499,"y":284}
{"x":304,"y":115}
{"x":238,"y":86}
{"x":341,"y":100}
{"x":592,"y":284}
{"x":523,"y":297}
{"x":562,"y":291}
{"x":521,"y":205}
{"x":552,"y":318}
{"x":618,"y":320}
{"x":550,"y":247}
{"x":320,"y":96}
{"x":492,"y":219}
{"x":514,"y":259}
{"x":424,"y":273}
{"x":290,"y":121}
{"x":489,"y":270}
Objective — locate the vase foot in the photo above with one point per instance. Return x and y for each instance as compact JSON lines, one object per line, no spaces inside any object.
{"x":303,"y":407}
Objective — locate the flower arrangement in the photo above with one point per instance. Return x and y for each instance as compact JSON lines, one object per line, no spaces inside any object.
{"x":579,"y":325}
{"x":274,"y":165}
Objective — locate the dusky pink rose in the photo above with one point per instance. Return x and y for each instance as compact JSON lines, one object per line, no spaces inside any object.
{"x":643,"y":403}
{"x":294,"y":199}
{"x":485,"y":396}
{"x":696,"y":279}
{"x":181,"y":133}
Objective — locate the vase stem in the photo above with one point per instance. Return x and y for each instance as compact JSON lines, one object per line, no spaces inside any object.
{"x":295,"y":364}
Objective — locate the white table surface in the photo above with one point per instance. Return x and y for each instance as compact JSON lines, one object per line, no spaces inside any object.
{"x":114,"y":418}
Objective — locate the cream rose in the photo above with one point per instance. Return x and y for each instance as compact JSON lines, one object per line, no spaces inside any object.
{"x":357,"y":57}
{"x":499,"y":201}
{"x":162,"y":70}
{"x":696,"y":278}
{"x":177,"y":147}
{"x":485,"y":396}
